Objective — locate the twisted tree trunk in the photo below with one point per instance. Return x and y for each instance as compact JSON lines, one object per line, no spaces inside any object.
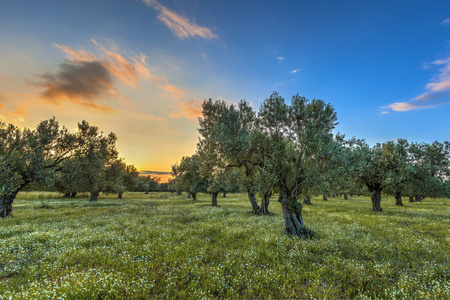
{"x":345,"y":196}
{"x":119,"y":195}
{"x":325,"y":197}
{"x":307,"y":200}
{"x":94,"y":196}
{"x":214,"y":198}
{"x":255,"y":207}
{"x":264,"y":209}
{"x":194,"y":196}
{"x":375,"y":190}
{"x":411,"y":199}
{"x":398,"y":199}
{"x":224,"y":194}
{"x":292,"y":214}
{"x":376,"y":203}
{"x":6,"y":205}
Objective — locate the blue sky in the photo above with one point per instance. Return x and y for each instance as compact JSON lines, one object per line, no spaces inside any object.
{"x":384,"y":65}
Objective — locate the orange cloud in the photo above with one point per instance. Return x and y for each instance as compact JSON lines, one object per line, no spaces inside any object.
{"x":127,"y":69}
{"x":190,"y":109}
{"x":179,"y":25}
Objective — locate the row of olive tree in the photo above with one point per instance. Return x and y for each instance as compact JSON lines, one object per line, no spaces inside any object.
{"x":290,"y":149}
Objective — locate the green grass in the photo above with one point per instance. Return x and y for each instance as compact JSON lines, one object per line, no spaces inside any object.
{"x":165,"y":246}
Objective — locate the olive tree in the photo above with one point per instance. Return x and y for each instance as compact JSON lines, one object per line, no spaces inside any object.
{"x":187,"y":172}
{"x":234,"y":140}
{"x":299,"y":136}
{"x":28,"y":155}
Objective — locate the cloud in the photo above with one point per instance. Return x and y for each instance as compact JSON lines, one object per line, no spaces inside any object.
{"x":190,"y":109}
{"x":446,"y":22}
{"x":384,"y":112}
{"x":280,"y":58}
{"x":179,"y":25}
{"x":88,"y":78}
{"x":295,"y":71}
{"x":121,"y":66}
{"x":145,"y":172}
{"x":405,"y":106}
{"x":81,"y":82}
{"x":437,"y":92}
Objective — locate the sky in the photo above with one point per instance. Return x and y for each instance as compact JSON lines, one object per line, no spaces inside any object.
{"x":141,"y":68}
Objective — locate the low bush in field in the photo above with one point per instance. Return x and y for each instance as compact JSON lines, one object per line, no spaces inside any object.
{"x":168,"y":246}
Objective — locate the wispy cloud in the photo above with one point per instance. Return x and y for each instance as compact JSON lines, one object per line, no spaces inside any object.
{"x":295,"y":71}
{"x":180,"y":26}
{"x":446,"y":22}
{"x":437,"y":92}
{"x":280,"y":58}
{"x":384,"y":112}
{"x":189,"y":109}
{"x":145,"y":172}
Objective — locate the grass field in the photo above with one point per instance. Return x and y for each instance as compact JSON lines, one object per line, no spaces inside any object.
{"x":167,"y":246}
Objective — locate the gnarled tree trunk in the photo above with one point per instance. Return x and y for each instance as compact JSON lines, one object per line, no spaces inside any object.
{"x":307,"y":200}
{"x":6,"y":205}
{"x":264,"y":209}
{"x":375,"y":190}
{"x":411,"y":199}
{"x":224,"y":194}
{"x":398,"y":199}
{"x":214,"y":198}
{"x":119,"y":195}
{"x":292,"y":213}
{"x":94,"y":196}
{"x":325,"y":197}
{"x":194,"y":196}
{"x":255,"y":207}
{"x":345,"y":196}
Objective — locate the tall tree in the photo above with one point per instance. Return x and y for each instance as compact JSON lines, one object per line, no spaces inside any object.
{"x":299,"y":136}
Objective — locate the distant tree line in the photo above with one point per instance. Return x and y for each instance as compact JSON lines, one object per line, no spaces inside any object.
{"x":290,"y":149}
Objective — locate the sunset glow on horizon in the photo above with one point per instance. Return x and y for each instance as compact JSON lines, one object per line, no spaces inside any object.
{"x":141,"y":69}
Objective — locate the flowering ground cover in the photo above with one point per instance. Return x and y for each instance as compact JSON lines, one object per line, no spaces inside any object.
{"x":166,"y":246}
